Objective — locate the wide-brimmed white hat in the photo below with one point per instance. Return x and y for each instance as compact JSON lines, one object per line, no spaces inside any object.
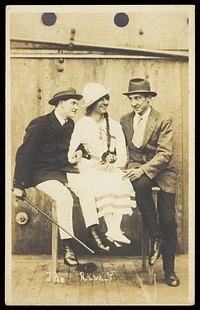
{"x":93,"y":92}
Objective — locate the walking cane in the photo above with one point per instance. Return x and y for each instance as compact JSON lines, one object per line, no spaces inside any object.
{"x":33,"y":205}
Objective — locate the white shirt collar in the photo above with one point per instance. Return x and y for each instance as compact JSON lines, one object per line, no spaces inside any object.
{"x":145,"y":115}
{"x":60,"y":119}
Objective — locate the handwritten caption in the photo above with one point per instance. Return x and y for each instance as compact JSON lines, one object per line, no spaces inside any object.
{"x":83,"y":277}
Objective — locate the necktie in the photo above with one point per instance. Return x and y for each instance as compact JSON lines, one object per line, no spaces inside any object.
{"x":65,"y":124}
{"x":138,"y":133}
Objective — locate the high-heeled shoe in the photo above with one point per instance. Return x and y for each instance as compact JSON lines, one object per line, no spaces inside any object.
{"x":95,"y":239}
{"x":117,"y":236}
{"x":113,"y":241}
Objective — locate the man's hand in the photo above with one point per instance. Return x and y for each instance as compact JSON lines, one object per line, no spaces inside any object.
{"x":133,"y":174}
{"x":76,"y":158}
{"x":19,"y":193}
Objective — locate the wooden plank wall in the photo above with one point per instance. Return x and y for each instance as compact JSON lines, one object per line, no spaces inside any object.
{"x":154,"y":28}
{"x":32,"y":82}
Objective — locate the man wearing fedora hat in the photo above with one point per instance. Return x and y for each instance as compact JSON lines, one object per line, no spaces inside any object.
{"x":149,"y":140}
{"x":41,"y":162}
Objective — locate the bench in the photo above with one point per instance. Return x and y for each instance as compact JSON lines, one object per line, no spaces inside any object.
{"x":146,"y":245}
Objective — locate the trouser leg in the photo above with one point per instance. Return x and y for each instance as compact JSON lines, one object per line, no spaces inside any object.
{"x":64,"y":204}
{"x":84,"y":191}
{"x":109,"y":221}
{"x":146,"y":204}
{"x":117,"y":220}
{"x":113,"y":221}
{"x":166,"y":211}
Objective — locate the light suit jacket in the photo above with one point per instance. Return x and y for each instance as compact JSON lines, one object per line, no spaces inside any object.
{"x":155,"y":155}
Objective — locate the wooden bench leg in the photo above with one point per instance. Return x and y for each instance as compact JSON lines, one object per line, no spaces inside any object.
{"x":145,"y":239}
{"x":54,"y":241}
{"x":151,"y":275}
{"x":146,"y":243}
{"x":146,"y":248}
{"x":155,"y":191}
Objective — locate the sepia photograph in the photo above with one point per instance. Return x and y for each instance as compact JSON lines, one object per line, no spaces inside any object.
{"x":100,"y":143}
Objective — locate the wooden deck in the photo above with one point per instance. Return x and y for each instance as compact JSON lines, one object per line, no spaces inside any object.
{"x":117,"y":281}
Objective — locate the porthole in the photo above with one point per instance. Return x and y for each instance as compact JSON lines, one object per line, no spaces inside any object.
{"x":121,"y":19}
{"x":49,"y":19}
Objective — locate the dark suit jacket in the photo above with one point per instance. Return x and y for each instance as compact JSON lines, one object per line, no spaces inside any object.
{"x":43,"y":152}
{"x":155,"y":155}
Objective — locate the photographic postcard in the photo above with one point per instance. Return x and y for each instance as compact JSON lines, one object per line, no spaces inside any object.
{"x":50,"y":46}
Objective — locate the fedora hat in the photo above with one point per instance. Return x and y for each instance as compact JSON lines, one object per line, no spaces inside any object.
{"x":93,"y":92}
{"x":139,"y":86}
{"x":64,"y":93}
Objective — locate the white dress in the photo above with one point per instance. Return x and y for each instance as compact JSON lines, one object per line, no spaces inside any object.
{"x":113,"y":194}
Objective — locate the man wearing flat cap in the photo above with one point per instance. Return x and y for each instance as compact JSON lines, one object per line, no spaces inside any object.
{"x":41,"y":162}
{"x":149,"y":140}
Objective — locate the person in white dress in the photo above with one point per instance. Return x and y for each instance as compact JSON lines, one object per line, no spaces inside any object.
{"x":104,"y":142}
